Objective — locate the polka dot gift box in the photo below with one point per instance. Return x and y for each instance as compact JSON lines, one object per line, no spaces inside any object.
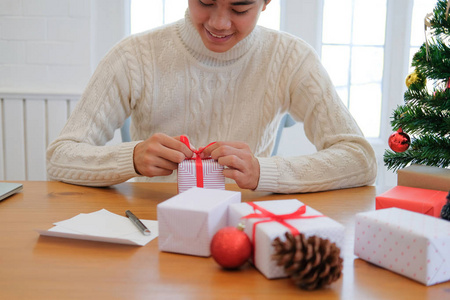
{"x":408,"y":243}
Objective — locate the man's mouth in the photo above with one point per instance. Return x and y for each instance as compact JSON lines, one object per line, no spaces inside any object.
{"x":218,"y":36}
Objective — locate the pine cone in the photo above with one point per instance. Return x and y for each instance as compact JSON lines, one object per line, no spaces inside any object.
{"x":311,"y":263}
{"x":445,"y":212}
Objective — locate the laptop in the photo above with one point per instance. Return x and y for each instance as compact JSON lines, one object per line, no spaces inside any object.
{"x":8,"y":188}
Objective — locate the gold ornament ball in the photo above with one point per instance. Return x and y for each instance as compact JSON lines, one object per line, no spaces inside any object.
{"x":411,"y":78}
{"x":415,"y":78}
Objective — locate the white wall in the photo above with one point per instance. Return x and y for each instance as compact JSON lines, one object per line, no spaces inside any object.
{"x":44,"y":45}
{"x":48,"y":51}
{"x":52,"y":46}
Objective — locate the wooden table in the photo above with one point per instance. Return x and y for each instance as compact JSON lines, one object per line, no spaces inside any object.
{"x":38,"y":267}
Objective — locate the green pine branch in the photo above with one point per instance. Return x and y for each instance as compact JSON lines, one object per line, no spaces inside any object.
{"x":440,"y":99}
{"x":416,"y":96}
{"x":416,"y":120}
{"x":426,"y":150}
{"x":440,"y":23}
{"x":425,"y":116}
{"x":436,"y":64}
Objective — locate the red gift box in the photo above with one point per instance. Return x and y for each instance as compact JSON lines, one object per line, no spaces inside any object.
{"x":423,"y":201}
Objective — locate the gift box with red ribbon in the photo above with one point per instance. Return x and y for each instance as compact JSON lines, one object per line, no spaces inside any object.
{"x":266,"y":220}
{"x":197,"y":172}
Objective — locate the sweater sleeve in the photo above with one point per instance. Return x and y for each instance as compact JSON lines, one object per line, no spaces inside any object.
{"x":344,"y":158}
{"x":79,"y":155}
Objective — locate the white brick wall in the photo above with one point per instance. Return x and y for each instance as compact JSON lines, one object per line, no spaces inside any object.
{"x":45,"y":45}
{"x":10,"y":7}
{"x":48,"y":51}
{"x":53,"y":46}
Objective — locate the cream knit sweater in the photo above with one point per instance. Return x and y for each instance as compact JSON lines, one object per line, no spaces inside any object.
{"x":169,"y":82}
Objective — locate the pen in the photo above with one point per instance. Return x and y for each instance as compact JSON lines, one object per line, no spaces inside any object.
{"x":138,"y":223}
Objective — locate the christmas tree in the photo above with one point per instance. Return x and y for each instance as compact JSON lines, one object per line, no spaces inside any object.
{"x":425,"y":115}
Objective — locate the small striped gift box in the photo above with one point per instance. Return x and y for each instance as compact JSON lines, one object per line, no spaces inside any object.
{"x":211,"y":177}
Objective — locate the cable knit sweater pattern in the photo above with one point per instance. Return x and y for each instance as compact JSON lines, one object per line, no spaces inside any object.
{"x":169,"y":82}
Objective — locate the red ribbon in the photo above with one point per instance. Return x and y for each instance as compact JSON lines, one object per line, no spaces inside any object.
{"x":271,"y":217}
{"x":198,"y":160}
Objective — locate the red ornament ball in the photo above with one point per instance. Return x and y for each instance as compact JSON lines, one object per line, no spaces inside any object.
{"x":399,"y":141}
{"x":231,"y":247}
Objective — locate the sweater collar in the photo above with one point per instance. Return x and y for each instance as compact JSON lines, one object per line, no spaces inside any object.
{"x":194,"y":44}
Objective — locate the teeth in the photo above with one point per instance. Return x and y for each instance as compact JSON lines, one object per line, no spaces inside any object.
{"x":217,"y":36}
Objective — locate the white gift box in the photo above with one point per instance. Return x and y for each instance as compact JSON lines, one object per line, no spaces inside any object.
{"x":188,"y":221}
{"x":212,"y":175}
{"x":267,"y":230}
{"x":408,"y":243}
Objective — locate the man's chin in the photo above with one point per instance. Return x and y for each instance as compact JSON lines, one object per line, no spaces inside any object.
{"x":218,"y":48}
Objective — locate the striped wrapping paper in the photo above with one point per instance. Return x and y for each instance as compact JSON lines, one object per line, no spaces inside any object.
{"x":212,"y":175}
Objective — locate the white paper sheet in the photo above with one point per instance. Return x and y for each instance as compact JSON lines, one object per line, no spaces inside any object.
{"x":103,"y":226}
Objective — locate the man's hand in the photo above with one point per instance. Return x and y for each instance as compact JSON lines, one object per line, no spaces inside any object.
{"x":239,"y":162}
{"x":159,"y":155}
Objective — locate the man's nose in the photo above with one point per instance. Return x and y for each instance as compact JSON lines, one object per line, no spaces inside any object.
{"x":220,"y":20}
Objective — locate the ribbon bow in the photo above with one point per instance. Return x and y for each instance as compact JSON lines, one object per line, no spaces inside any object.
{"x":271,"y":217}
{"x":198,"y":160}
